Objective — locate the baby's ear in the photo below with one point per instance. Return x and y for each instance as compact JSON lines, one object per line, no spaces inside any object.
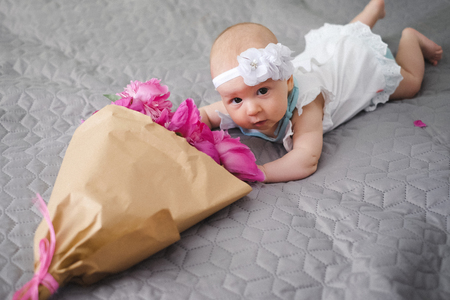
{"x":290,"y":83}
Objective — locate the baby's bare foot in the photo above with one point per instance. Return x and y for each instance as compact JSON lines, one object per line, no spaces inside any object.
{"x":430,"y":50}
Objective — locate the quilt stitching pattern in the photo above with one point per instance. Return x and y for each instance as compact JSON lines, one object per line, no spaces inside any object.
{"x":372,"y":223}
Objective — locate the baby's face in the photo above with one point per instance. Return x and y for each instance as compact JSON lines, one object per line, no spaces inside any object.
{"x":258,"y":107}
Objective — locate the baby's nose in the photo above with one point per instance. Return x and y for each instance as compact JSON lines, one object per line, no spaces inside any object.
{"x":253,"y":109}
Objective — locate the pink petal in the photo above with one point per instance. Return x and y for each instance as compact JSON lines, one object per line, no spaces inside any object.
{"x":164,"y":118}
{"x":179,"y":119}
{"x":125,"y":102}
{"x":130,"y":90}
{"x":202,"y":133}
{"x":419,"y":123}
{"x":237,"y":158}
{"x":147,"y":92}
{"x":208,"y":148}
{"x":186,"y":118}
{"x":151,"y":86}
{"x":131,"y":103}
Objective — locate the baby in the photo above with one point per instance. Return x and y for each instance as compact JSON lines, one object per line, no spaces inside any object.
{"x":343,"y":70}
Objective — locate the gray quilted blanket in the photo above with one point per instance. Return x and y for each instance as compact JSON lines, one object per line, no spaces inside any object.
{"x":372,"y":223}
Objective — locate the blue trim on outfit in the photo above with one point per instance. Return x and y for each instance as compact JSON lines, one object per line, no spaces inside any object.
{"x":389,"y":54}
{"x":282,"y":124}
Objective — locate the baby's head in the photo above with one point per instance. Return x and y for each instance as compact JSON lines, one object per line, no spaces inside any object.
{"x":235,"y":40}
{"x":253,"y":75}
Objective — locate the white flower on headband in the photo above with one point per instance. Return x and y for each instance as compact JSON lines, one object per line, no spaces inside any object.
{"x":258,"y":65}
{"x":253,"y":66}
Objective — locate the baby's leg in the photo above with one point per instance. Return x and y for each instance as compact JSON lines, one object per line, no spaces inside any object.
{"x":412,"y":50}
{"x":373,"y":11}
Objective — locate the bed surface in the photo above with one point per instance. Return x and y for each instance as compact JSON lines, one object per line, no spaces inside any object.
{"x":372,"y":223}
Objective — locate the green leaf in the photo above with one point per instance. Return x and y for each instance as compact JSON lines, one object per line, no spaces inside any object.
{"x":112,"y":97}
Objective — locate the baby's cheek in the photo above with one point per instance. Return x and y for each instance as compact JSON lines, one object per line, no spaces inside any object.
{"x":281,"y":111}
{"x":239,"y":118}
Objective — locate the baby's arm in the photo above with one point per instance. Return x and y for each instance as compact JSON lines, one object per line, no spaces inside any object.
{"x":307,"y":146}
{"x":209,"y":114}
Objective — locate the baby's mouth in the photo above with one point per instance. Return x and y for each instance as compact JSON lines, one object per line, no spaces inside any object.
{"x":260,"y":123}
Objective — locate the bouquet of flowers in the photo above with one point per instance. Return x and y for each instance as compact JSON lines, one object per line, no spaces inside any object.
{"x":150,"y":98}
{"x":131,"y":180}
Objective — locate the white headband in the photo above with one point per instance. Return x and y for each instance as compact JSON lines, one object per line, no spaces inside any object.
{"x":258,"y":65}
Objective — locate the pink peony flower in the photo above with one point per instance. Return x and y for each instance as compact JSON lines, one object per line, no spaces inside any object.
{"x":152,"y":94}
{"x":186,"y":122}
{"x":130,"y":103}
{"x":236,"y":157}
{"x":185,"y":119}
{"x":208,"y":148}
{"x":203,"y":139}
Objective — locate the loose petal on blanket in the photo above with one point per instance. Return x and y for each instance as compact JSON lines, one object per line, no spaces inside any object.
{"x":419,"y":123}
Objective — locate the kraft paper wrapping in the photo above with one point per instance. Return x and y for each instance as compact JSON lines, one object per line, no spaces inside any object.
{"x":126,"y":188}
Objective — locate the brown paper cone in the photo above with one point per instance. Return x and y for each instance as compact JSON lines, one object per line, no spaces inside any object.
{"x":126,"y":188}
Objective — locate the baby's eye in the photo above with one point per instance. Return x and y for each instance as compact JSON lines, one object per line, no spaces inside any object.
{"x":262,"y":91}
{"x":236,"y":100}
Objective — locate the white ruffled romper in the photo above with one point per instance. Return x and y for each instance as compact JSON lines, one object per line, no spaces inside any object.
{"x":350,"y":65}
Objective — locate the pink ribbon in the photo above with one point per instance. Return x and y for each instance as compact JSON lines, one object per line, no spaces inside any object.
{"x":46,"y":251}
